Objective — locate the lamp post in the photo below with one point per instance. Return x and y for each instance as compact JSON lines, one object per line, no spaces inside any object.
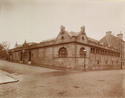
{"x":23,"y":53}
{"x":85,"y":59}
{"x":121,"y":53}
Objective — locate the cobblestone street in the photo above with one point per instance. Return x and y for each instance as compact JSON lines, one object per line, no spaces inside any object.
{"x":39,"y":82}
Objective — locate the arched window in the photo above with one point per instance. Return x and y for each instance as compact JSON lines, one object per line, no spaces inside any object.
{"x":82,"y":52}
{"x":62,"y":37}
{"x":82,"y":37}
{"x":63,"y":52}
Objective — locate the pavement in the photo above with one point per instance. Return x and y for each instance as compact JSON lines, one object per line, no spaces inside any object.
{"x":39,"y":82}
{"x":124,"y":84}
{"x":6,"y":78}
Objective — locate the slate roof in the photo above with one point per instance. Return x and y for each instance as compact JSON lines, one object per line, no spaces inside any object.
{"x":111,"y":41}
{"x":93,"y":41}
{"x":73,"y":33}
{"x":107,"y":42}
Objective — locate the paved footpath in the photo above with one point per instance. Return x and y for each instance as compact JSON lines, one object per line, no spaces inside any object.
{"x":6,"y":78}
{"x":124,"y":84}
{"x":39,"y":82}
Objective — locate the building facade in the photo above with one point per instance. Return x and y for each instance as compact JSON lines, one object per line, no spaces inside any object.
{"x":74,"y":50}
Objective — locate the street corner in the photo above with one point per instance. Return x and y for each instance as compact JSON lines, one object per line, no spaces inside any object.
{"x":6,"y":78}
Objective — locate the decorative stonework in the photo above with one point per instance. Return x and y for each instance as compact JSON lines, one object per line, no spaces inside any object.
{"x":62,"y":29}
{"x":83,"y":29}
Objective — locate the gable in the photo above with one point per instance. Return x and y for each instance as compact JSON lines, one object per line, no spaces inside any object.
{"x":63,"y":36}
{"x":82,"y":38}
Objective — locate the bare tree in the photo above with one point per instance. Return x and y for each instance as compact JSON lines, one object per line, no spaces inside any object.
{"x":4,"y":47}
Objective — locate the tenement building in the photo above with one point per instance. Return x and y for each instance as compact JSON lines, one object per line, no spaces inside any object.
{"x":73,"y":50}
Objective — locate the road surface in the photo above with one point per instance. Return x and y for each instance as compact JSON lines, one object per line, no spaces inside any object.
{"x":39,"y":82}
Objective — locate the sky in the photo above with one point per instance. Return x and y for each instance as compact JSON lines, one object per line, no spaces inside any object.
{"x":39,"y":20}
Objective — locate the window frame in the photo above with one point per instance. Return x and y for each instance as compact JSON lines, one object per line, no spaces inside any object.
{"x":62,"y":52}
{"x":82,"y":53}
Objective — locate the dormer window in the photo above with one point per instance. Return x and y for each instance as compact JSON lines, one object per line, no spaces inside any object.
{"x":82,"y":37}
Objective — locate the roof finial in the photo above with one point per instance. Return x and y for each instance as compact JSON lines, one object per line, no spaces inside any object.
{"x":25,"y":42}
{"x":83,"y":29}
{"x":120,"y":32}
{"x":62,"y":28}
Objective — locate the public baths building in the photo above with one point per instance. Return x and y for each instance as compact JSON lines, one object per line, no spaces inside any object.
{"x":73,"y":50}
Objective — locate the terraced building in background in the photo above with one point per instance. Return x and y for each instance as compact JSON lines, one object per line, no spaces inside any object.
{"x":74,"y":50}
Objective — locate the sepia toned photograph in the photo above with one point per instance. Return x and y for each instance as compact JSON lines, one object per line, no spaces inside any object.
{"x":62,"y":48}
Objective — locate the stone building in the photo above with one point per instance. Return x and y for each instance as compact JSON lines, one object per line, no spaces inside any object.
{"x":74,"y":50}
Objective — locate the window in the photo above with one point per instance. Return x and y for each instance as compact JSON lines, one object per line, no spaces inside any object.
{"x":63,"y":52}
{"x":62,"y":37}
{"x":82,"y":52}
{"x":21,"y":56}
{"x":92,"y":50}
{"x":82,"y":37}
{"x":97,"y":61}
{"x":29,"y":55}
